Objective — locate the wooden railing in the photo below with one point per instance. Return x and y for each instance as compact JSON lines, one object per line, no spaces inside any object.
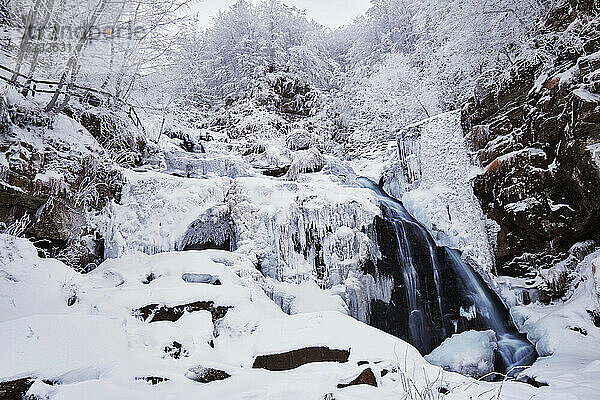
{"x":94,"y":97}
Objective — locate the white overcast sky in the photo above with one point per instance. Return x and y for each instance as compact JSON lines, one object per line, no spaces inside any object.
{"x":331,"y":13}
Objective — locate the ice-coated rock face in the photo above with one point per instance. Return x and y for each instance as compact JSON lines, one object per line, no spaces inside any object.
{"x":469,"y":353}
{"x":431,"y":173}
{"x":156,"y":211}
{"x":302,"y":232}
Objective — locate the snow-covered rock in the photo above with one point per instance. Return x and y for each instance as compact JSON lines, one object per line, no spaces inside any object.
{"x":300,"y":139}
{"x":305,"y":161}
{"x":469,"y":353}
{"x":565,"y":337}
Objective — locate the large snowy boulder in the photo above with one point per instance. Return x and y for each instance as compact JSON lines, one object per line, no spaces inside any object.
{"x":469,"y":353}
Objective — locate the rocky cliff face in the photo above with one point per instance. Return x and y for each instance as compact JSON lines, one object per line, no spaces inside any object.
{"x":537,"y":138}
{"x":54,"y":177}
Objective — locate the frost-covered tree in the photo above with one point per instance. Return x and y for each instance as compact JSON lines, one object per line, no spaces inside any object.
{"x":394,"y":95}
{"x":249,"y":41}
{"x":463,"y":43}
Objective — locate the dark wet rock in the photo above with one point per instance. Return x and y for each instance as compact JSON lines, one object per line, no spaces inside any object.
{"x":206,"y":375}
{"x":537,"y":140}
{"x":151,"y":277}
{"x":276,"y":172}
{"x":15,"y":390}
{"x":176,"y":350}
{"x":595,"y":316}
{"x":367,"y":377}
{"x":443,"y":390}
{"x":393,"y":317}
{"x":161,"y":312}
{"x":47,"y":186}
{"x":153,"y":380}
{"x":201,"y":278}
{"x":296,"y":358}
{"x":580,"y":330}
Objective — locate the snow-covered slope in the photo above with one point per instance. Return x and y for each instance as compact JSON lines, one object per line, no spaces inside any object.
{"x":90,"y":342}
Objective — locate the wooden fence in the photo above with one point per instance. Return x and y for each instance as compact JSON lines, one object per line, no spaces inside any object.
{"x":94,"y":97}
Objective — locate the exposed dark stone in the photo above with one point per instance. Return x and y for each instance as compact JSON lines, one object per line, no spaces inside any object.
{"x":579,"y":330}
{"x":15,"y":390}
{"x":149,"y":278}
{"x":72,"y":300}
{"x":296,"y":358}
{"x":276,"y":172}
{"x":52,"y":210}
{"x":176,"y":351}
{"x":541,"y":182}
{"x":153,"y":380}
{"x":443,"y":390}
{"x":535,"y":383}
{"x":384,"y":372}
{"x":367,"y":377}
{"x":362,"y":363}
{"x":206,"y":375}
{"x":595,"y":315}
{"x":158,"y":312}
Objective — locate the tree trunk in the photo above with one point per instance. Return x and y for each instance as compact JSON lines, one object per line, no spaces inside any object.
{"x":72,"y":62}
{"x":48,"y":12}
{"x":26,"y":38}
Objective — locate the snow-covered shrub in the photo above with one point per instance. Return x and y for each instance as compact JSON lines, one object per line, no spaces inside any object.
{"x":300,"y":139}
{"x":254,"y":122}
{"x":125,"y":143}
{"x":25,"y":113}
{"x":18,"y":227}
{"x":305,"y":161}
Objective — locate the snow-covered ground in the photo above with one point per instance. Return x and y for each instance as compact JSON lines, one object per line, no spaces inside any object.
{"x":98,"y":347}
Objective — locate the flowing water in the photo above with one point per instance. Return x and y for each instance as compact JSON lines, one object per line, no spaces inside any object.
{"x":439,"y":294}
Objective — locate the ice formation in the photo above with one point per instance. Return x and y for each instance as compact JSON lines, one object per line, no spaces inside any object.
{"x":433,"y":173}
